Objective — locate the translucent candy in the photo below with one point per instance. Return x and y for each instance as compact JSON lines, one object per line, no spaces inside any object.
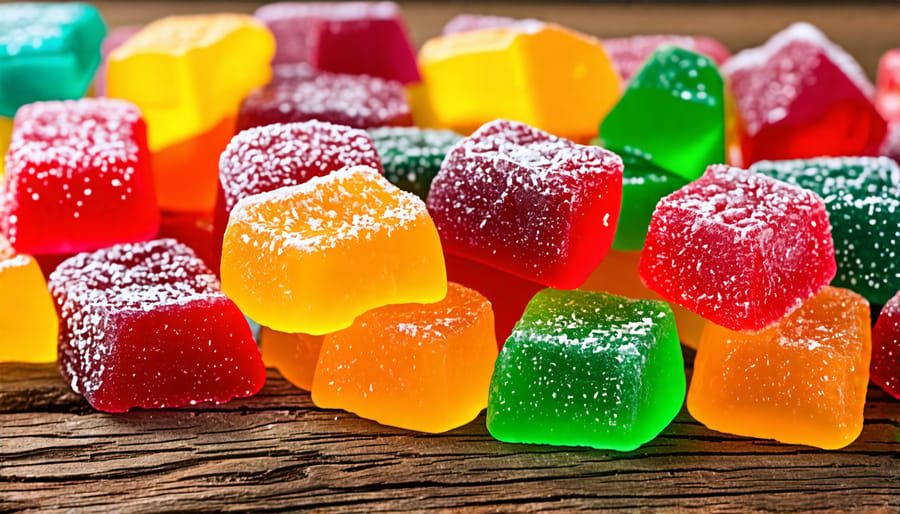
{"x":310,"y":258}
{"x":6,"y":126}
{"x":800,"y":96}
{"x":739,"y":248}
{"x":531,"y":204}
{"x":412,"y":156}
{"x":367,"y":38}
{"x":802,"y":381}
{"x":78,"y":177}
{"x":470,"y":22}
{"x":549,"y":77}
{"x":887,"y":96}
{"x":672,"y":114}
{"x":357,"y":101}
{"x":293,"y":355}
{"x":28,"y":324}
{"x":116,"y":38}
{"x":862,"y":196}
{"x":587,"y":369}
{"x":48,"y":51}
{"x":145,"y":325}
{"x":414,"y":366}
{"x":188,"y":75}
{"x":886,"y":348}
{"x":628,"y":54}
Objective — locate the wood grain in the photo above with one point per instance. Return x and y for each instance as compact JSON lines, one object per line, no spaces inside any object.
{"x":277,"y":451}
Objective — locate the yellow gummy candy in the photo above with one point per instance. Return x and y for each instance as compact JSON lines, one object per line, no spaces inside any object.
{"x":547,"y":76}
{"x":6,"y":126}
{"x":28,"y":322}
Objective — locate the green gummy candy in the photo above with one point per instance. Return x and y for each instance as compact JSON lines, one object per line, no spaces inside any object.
{"x":862,"y":195}
{"x":671,"y":114}
{"x":411,"y":156}
{"x":588,"y":369}
{"x":643,"y":185}
{"x":47,"y":52}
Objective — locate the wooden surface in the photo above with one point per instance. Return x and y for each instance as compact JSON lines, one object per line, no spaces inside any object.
{"x":276,"y":451}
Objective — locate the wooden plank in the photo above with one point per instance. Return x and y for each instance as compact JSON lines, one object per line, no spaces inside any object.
{"x":278,"y":451}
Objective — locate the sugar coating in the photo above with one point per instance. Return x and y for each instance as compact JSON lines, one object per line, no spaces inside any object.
{"x":412,"y":156}
{"x":515,"y":197}
{"x":629,"y":54}
{"x":767,"y":80}
{"x":739,"y":248}
{"x":887,"y":95}
{"x":470,"y":22}
{"x":359,"y":101}
{"x":339,"y":11}
{"x":8,"y":256}
{"x":269,"y":157}
{"x":862,"y":196}
{"x":26,"y":27}
{"x":886,"y":347}
{"x":587,"y":368}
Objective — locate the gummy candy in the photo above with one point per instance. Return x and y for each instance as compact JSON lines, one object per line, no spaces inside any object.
{"x":862,"y":195}
{"x":507,"y":293}
{"x":145,"y":325}
{"x":551,"y":78}
{"x":628,"y":54}
{"x":188,"y":75}
{"x":48,"y":51}
{"x":529,"y":203}
{"x":28,"y":324}
{"x":293,"y":355}
{"x":618,"y":274}
{"x":470,"y":22}
{"x":358,"y":101}
{"x":802,"y":381}
{"x":78,"y":177}
{"x":887,"y":98}
{"x":739,"y":248}
{"x":885,"y":370}
{"x":801,"y":96}
{"x":672,"y":114}
{"x":412,"y":156}
{"x":891,"y":146}
{"x":413,"y":366}
{"x":359,"y":38}
{"x":312,"y":257}
{"x":116,"y":38}
{"x":587,"y":369}
{"x":194,"y":230}
{"x":6,"y":126}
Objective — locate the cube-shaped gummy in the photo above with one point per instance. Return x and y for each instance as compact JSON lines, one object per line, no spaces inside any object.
{"x":470,"y":22}
{"x":412,"y":156}
{"x":529,"y":203}
{"x":48,"y":51}
{"x":422,"y":367}
{"x":28,"y":324}
{"x":886,"y":348}
{"x":801,"y":96}
{"x":862,"y":196}
{"x":588,"y":369}
{"x":629,"y":54}
{"x":887,"y":94}
{"x":145,"y":325}
{"x":549,"y":77}
{"x":78,"y":177}
{"x":643,"y":185}
{"x":360,"y":38}
{"x":739,"y":248}
{"x":802,"y":381}
{"x":310,"y":258}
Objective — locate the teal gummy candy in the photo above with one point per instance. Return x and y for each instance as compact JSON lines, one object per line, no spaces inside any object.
{"x":411,"y":156}
{"x":47,"y":52}
{"x":587,"y":369}
{"x":672,"y":114}
{"x":862,"y":196}
{"x":643,"y":185}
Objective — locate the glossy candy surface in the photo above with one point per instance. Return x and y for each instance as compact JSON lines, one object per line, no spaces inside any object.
{"x":531,"y":204}
{"x":145,"y":325}
{"x":310,"y":258}
{"x":28,"y":324}
{"x":293,"y":355}
{"x":422,"y":367}
{"x":802,"y":381}
{"x":587,"y":369}
{"x":886,"y":348}
{"x":739,"y":248}
{"x":629,"y":54}
{"x":412,"y":156}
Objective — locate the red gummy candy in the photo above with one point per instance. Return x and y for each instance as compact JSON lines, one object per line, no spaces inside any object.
{"x":628,"y":54}
{"x":471,"y":22}
{"x":78,"y":177}
{"x":146,"y":325}
{"x":802,"y":96}
{"x":885,"y":371}
{"x":739,"y":248}
{"x":343,"y":37}
{"x":357,"y":101}
{"x":519,"y":199}
{"x":887,"y":97}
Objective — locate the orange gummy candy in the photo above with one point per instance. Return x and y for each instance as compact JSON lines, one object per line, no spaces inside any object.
{"x":802,"y":381}
{"x":413,"y":366}
{"x":28,"y":322}
{"x":312,"y":257}
{"x":293,"y":355}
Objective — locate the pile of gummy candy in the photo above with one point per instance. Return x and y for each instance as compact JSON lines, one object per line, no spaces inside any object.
{"x":518,"y":217}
